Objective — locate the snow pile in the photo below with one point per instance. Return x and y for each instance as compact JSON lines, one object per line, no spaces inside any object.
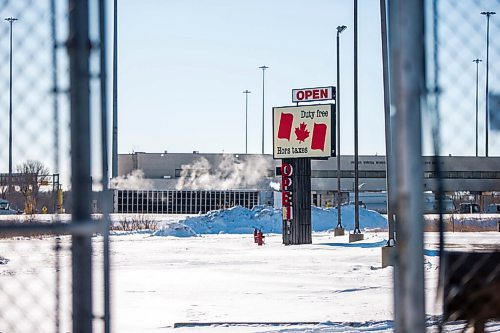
{"x":239,"y":220}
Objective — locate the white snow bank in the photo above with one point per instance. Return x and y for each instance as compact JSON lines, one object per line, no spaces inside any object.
{"x":239,"y":220}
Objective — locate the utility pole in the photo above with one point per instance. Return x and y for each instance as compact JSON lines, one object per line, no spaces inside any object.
{"x":339,"y":230}
{"x":246,"y":92}
{"x":356,"y":235}
{"x":114,"y":152}
{"x":264,"y":67}
{"x":487,"y":129}
{"x":477,"y":61}
{"x":10,"y":20}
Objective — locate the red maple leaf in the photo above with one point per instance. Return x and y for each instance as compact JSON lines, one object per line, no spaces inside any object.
{"x":301,"y":132}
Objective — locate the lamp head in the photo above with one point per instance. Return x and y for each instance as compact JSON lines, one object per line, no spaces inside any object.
{"x":341,"y":28}
{"x":488,"y":13}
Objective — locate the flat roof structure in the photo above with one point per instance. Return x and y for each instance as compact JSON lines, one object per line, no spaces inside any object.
{"x":167,"y":171}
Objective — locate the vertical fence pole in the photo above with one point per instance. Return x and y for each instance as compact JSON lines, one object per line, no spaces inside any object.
{"x":407,"y":87}
{"x":55,"y":100}
{"x":106,"y":192}
{"x":79,"y":52}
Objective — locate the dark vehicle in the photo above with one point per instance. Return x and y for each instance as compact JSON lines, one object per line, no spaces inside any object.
{"x":493,"y":208}
{"x":6,"y":209}
{"x":469,"y":208}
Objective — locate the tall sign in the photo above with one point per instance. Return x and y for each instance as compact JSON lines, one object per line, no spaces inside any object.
{"x":302,"y":133}
{"x":306,"y":131}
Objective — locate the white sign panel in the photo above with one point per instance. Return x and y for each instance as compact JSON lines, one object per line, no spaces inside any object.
{"x":313,"y":94}
{"x":304,"y":131}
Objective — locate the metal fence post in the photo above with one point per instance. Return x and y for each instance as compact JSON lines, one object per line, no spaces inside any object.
{"x":106,"y":193}
{"x":79,"y":53}
{"x":407,"y":87}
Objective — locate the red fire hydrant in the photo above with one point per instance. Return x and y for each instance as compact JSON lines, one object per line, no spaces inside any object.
{"x":260,"y":238}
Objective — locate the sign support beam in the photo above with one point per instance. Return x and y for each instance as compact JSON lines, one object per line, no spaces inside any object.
{"x":299,"y":229}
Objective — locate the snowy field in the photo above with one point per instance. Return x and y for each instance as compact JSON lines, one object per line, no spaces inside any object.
{"x":227,"y":278}
{"x":160,"y":280}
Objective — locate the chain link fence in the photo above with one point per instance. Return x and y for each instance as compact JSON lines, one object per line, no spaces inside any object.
{"x":53,"y":266}
{"x":463,"y":119}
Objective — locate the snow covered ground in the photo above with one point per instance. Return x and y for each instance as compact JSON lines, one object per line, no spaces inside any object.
{"x":159,"y":280}
{"x":227,"y":278}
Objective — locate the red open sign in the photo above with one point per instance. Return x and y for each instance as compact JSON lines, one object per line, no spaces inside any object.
{"x":313,"y":94}
{"x":286,"y":191}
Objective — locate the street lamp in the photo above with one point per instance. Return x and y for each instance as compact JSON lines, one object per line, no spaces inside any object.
{"x":356,"y":157}
{"x":477,"y":61}
{"x":488,"y":14}
{"x":264,"y":67}
{"x":339,"y":220}
{"x":114,"y":144}
{"x":10,"y":20}
{"x":246,"y":92}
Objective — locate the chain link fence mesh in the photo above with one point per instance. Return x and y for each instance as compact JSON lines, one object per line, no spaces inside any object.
{"x":35,"y":285}
{"x":463,"y":80}
{"x":36,"y":246}
{"x":32,"y":267}
{"x":458,"y":32}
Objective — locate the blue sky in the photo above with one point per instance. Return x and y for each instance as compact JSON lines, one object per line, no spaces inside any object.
{"x":183,"y":66}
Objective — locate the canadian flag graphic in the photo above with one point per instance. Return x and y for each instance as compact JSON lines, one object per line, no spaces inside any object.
{"x":318,"y":138}
{"x":285,"y":127}
{"x":285,"y":131}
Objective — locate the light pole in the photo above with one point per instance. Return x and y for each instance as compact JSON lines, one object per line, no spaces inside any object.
{"x":356,"y":179}
{"x":114,"y":144}
{"x":246,"y":92}
{"x":339,"y":220}
{"x":264,"y":67}
{"x":488,"y":14}
{"x":10,"y":20}
{"x":477,"y":61}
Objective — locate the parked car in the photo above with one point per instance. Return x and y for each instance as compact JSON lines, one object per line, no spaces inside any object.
{"x":493,"y":208}
{"x":6,"y":209}
{"x":469,"y":208}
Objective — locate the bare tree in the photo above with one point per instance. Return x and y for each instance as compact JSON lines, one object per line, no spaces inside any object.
{"x":32,"y":175}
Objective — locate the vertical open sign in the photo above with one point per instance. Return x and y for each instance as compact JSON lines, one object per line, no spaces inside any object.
{"x":286,"y":191}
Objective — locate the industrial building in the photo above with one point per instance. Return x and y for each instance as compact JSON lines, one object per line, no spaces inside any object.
{"x":198,"y":182}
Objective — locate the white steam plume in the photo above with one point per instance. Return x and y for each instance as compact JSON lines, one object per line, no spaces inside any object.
{"x":275,"y":186}
{"x":231,"y":173}
{"x":133,"y":181}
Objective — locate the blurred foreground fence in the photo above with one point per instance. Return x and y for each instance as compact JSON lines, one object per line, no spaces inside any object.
{"x":463,"y":79}
{"x":445,"y":75}
{"x":54,"y":277}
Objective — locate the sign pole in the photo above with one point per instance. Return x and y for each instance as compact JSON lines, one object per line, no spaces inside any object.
{"x":298,"y":230}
